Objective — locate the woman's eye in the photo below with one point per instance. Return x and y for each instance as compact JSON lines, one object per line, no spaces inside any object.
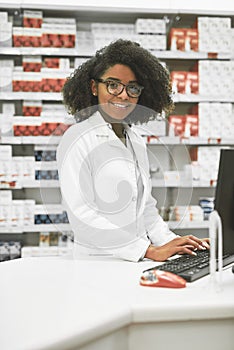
{"x":113,"y":85}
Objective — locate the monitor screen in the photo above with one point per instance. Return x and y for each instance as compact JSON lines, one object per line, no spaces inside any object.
{"x":224,"y":198}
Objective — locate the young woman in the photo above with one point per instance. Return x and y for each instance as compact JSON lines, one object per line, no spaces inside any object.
{"x":103,"y":164}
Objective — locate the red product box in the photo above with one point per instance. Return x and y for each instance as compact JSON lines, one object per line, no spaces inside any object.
{"x":31,"y":37}
{"x":176,"y":125}
{"x":177,"y":39}
{"x":17,"y":33}
{"x":52,"y":80}
{"x":191,"y":36}
{"x":32,"y":19}
{"x":192,"y":82}
{"x":32,"y":108}
{"x":178,"y":81}
{"x":191,"y":120}
{"x":52,"y":62}
{"x":58,"y":35}
{"x":26,"y":81}
{"x":32,"y":63}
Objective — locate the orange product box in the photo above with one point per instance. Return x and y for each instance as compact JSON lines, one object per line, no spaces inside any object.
{"x":26,"y":126}
{"x":32,"y":19}
{"x":31,"y":37}
{"x":178,"y":81}
{"x":32,"y":63}
{"x":176,"y":125}
{"x":57,"y":63}
{"x":177,"y":39}
{"x":26,"y":81}
{"x":192,"y":82}
{"x":31,"y":108}
{"x":57,"y":35}
{"x":53,"y":80}
{"x":191,"y":120}
{"x":17,"y":33}
{"x":191,"y":35}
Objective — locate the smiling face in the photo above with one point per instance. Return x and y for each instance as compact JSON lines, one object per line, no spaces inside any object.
{"x":120,"y":106}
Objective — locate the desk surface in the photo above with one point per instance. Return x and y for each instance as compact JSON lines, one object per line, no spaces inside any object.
{"x":61,"y":303}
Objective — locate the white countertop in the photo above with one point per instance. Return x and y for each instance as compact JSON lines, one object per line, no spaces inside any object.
{"x":61,"y":303}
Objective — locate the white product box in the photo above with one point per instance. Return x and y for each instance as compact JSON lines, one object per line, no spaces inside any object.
{"x":17,"y":169}
{"x":5,"y":197}
{"x":29,"y":168}
{"x":5,"y":152}
{"x":29,"y":208}
{"x":17,"y":213}
{"x":150,"y":25}
{"x":5,"y":34}
{"x":6,"y":79}
{"x":5,"y":215}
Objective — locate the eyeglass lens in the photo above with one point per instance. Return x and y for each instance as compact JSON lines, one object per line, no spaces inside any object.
{"x":116,"y":88}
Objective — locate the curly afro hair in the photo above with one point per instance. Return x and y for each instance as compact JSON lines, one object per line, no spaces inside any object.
{"x":156,"y":96}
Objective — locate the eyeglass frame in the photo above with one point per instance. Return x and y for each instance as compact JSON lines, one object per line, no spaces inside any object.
{"x":125,"y":86}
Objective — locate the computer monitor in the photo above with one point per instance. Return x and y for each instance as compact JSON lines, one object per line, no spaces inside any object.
{"x":224,"y":198}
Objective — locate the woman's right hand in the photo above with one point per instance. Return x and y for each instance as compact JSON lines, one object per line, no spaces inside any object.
{"x":179,"y":245}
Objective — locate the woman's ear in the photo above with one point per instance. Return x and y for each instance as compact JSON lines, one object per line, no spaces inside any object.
{"x":94,"y":87}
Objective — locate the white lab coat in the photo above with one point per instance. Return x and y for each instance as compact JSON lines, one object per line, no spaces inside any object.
{"x":98,"y":184}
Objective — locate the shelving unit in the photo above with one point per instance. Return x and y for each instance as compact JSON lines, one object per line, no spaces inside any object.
{"x":183,"y":193}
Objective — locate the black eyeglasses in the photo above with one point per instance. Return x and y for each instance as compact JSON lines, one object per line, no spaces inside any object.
{"x":116,"y":88}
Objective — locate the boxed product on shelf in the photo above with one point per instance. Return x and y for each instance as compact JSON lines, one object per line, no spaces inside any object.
{"x":84,"y":41}
{"x":150,"y":25}
{"x":26,"y":81}
{"x":214,"y":34}
{"x":45,"y":153}
{"x":152,"y":41}
{"x":58,"y":35}
{"x":10,"y":250}
{"x":32,"y":18}
{"x":32,"y":63}
{"x":57,"y":63}
{"x":50,"y":214}
{"x":36,"y":126}
{"x":17,"y":213}
{"x":185,"y":82}
{"x":6,"y":73}
{"x":31,"y":108}
{"x":183,"y":125}
{"x":52,"y":80}
{"x":211,"y":72}
{"x":209,"y":120}
{"x":5,"y":32}
{"x":207,"y":205}
{"x":186,"y":213}
{"x":26,"y":37}
{"x":104,"y":33}
{"x":183,"y":39}
{"x":30,"y":126}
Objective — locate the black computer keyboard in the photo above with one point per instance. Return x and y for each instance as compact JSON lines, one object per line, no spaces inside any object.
{"x":191,"y":267}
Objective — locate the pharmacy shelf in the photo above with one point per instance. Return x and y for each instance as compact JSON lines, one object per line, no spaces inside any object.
{"x":45,"y":251}
{"x":161,"y":183}
{"x":46,"y":96}
{"x":155,"y":140}
{"x":29,"y":184}
{"x":76,"y":52}
{"x":180,"y":225}
{"x":190,"y":141}
{"x":35,"y":228}
{"x":196,"y":98}
{"x":57,"y":96}
{"x":35,"y":140}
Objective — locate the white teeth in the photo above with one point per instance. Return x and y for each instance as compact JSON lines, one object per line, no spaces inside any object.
{"x":119,"y":105}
